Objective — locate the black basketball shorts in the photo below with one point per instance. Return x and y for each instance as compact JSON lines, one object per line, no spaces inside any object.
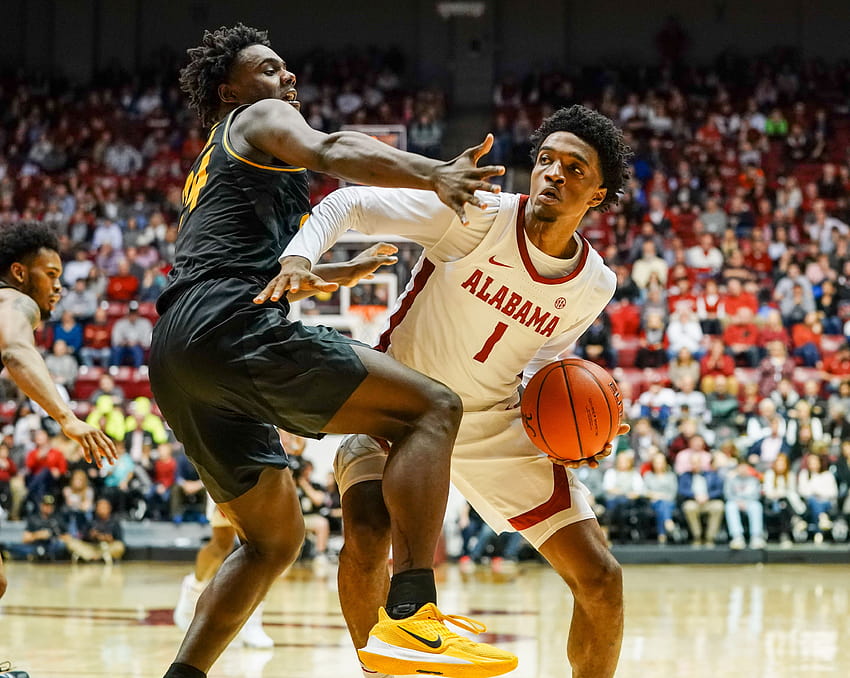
{"x":225,"y":372}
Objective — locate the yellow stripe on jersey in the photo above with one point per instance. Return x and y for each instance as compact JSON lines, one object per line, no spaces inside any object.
{"x":230,"y":151}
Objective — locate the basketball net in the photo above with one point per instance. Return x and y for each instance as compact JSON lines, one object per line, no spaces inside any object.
{"x":372,"y":317}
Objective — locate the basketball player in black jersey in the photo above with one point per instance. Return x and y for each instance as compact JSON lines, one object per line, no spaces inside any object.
{"x":30,"y":273}
{"x":226,"y":371}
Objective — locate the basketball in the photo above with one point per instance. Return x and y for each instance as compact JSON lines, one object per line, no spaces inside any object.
{"x":571,"y":409}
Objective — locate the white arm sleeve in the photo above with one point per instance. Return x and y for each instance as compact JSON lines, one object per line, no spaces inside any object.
{"x":413,"y":214}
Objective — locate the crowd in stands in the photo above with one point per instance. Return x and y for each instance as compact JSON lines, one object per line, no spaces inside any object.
{"x":729,"y":329}
{"x":727,"y":333}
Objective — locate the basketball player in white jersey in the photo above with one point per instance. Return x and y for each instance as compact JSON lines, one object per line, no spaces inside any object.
{"x":488,"y":304}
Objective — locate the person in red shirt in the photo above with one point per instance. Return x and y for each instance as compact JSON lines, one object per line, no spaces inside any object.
{"x":774,"y":367}
{"x":46,"y":466}
{"x":838,"y":364}
{"x":757,"y":259}
{"x":736,"y":298}
{"x":710,"y":310}
{"x":741,"y":337}
{"x":716,"y":362}
{"x":805,"y":337}
{"x":164,"y":475}
{"x":123,"y":286}
{"x":774,"y":330}
{"x":97,"y":340}
{"x":681,"y":295}
{"x":8,"y":470}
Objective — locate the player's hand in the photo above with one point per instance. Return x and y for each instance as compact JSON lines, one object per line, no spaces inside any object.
{"x":366,"y":263}
{"x":456,"y":181}
{"x":96,"y":445}
{"x":593,"y":461}
{"x":295,"y":275}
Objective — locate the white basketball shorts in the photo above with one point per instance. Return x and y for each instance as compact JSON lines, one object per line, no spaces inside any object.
{"x":512,"y":485}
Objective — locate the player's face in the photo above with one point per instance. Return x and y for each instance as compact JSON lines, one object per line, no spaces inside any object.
{"x":42,"y":281}
{"x":566,"y":180}
{"x":259,"y":73}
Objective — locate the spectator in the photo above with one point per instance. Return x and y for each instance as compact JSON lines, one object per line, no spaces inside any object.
{"x":121,"y":158}
{"x":774,"y":330}
{"x":131,"y":337}
{"x":46,"y":466}
{"x":45,"y":534}
{"x":709,"y":308}
{"x":701,"y":494}
{"x":70,"y":331}
{"x":819,"y":489}
{"x":649,"y":263}
{"x":644,"y":440}
{"x":661,"y":488}
{"x":62,"y":365}
{"x":117,"y":481}
{"x":682,"y":366}
{"x":742,"y":491}
{"x":684,"y":332}
{"x":652,"y":351}
{"x":741,"y":338}
{"x":764,"y":451}
{"x":8,"y":471}
{"x":705,"y":256}
{"x":97,"y":340}
{"x":775,"y":367}
{"x":837,"y":365}
{"x":163,"y":478}
{"x":313,"y":498}
{"x":806,"y":339}
{"x":595,"y":343}
{"x":782,"y":501}
{"x":78,"y":497}
{"x":623,"y":487}
{"x":656,"y":402}
{"x":78,"y":268}
{"x":108,"y":416}
{"x":717,"y":363}
{"x":785,"y":397}
{"x":187,"y":492}
{"x":735,"y":299}
{"x":103,"y":537}
{"x":123,"y":286}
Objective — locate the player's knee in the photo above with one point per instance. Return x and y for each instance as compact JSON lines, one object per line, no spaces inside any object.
{"x":601,"y":584}
{"x":446,"y":404}
{"x":279,"y":551}
{"x":367,"y":538}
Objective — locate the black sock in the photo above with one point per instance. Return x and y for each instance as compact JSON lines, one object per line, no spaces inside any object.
{"x":177,"y":670}
{"x":409,"y":591}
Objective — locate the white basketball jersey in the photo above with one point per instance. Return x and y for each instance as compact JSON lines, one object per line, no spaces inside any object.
{"x":475,"y":323}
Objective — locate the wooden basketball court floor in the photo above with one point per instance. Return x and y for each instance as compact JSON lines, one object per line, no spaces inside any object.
{"x":692,"y":621}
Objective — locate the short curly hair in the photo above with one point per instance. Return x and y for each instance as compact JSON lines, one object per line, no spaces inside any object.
{"x":601,"y":133}
{"x":210,"y":63}
{"x":22,"y":239}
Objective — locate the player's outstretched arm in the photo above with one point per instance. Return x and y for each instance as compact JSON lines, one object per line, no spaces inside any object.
{"x":276,"y":128}
{"x":297,"y":279}
{"x":18,"y":318}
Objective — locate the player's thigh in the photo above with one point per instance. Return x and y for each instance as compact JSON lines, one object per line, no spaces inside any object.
{"x":268,"y":516}
{"x":390,"y":397}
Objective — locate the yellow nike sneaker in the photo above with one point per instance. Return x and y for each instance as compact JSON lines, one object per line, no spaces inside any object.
{"x":423,"y":644}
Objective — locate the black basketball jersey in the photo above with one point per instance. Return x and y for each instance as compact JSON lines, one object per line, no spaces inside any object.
{"x":237,"y":217}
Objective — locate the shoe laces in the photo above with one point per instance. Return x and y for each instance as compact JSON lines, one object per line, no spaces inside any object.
{"x":460,"y":621}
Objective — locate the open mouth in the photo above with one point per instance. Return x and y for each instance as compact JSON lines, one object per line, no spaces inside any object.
{"x":290,"y":95}
{"x":549,"y":195}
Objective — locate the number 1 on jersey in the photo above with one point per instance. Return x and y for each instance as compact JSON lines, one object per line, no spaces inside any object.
{"x":497,"y":334}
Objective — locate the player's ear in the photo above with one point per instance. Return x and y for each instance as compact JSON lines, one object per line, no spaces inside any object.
{"x":227,"y":94}
{"x":598,"y":197}
{"x":18,"y":271}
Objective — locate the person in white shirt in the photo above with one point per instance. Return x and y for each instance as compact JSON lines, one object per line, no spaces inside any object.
{"x":488,"y":301}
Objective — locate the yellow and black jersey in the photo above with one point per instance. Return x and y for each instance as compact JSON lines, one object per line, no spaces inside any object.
{"x":238,"y":216}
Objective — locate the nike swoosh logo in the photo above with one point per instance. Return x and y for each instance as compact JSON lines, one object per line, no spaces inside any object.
{"x":430,"y":643}
{"x":493,"y":261}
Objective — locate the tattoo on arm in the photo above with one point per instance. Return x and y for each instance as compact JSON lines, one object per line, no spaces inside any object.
{"x":29,"y":308}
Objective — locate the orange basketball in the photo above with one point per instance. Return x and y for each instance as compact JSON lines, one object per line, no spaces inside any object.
{"x":571,"y":409}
